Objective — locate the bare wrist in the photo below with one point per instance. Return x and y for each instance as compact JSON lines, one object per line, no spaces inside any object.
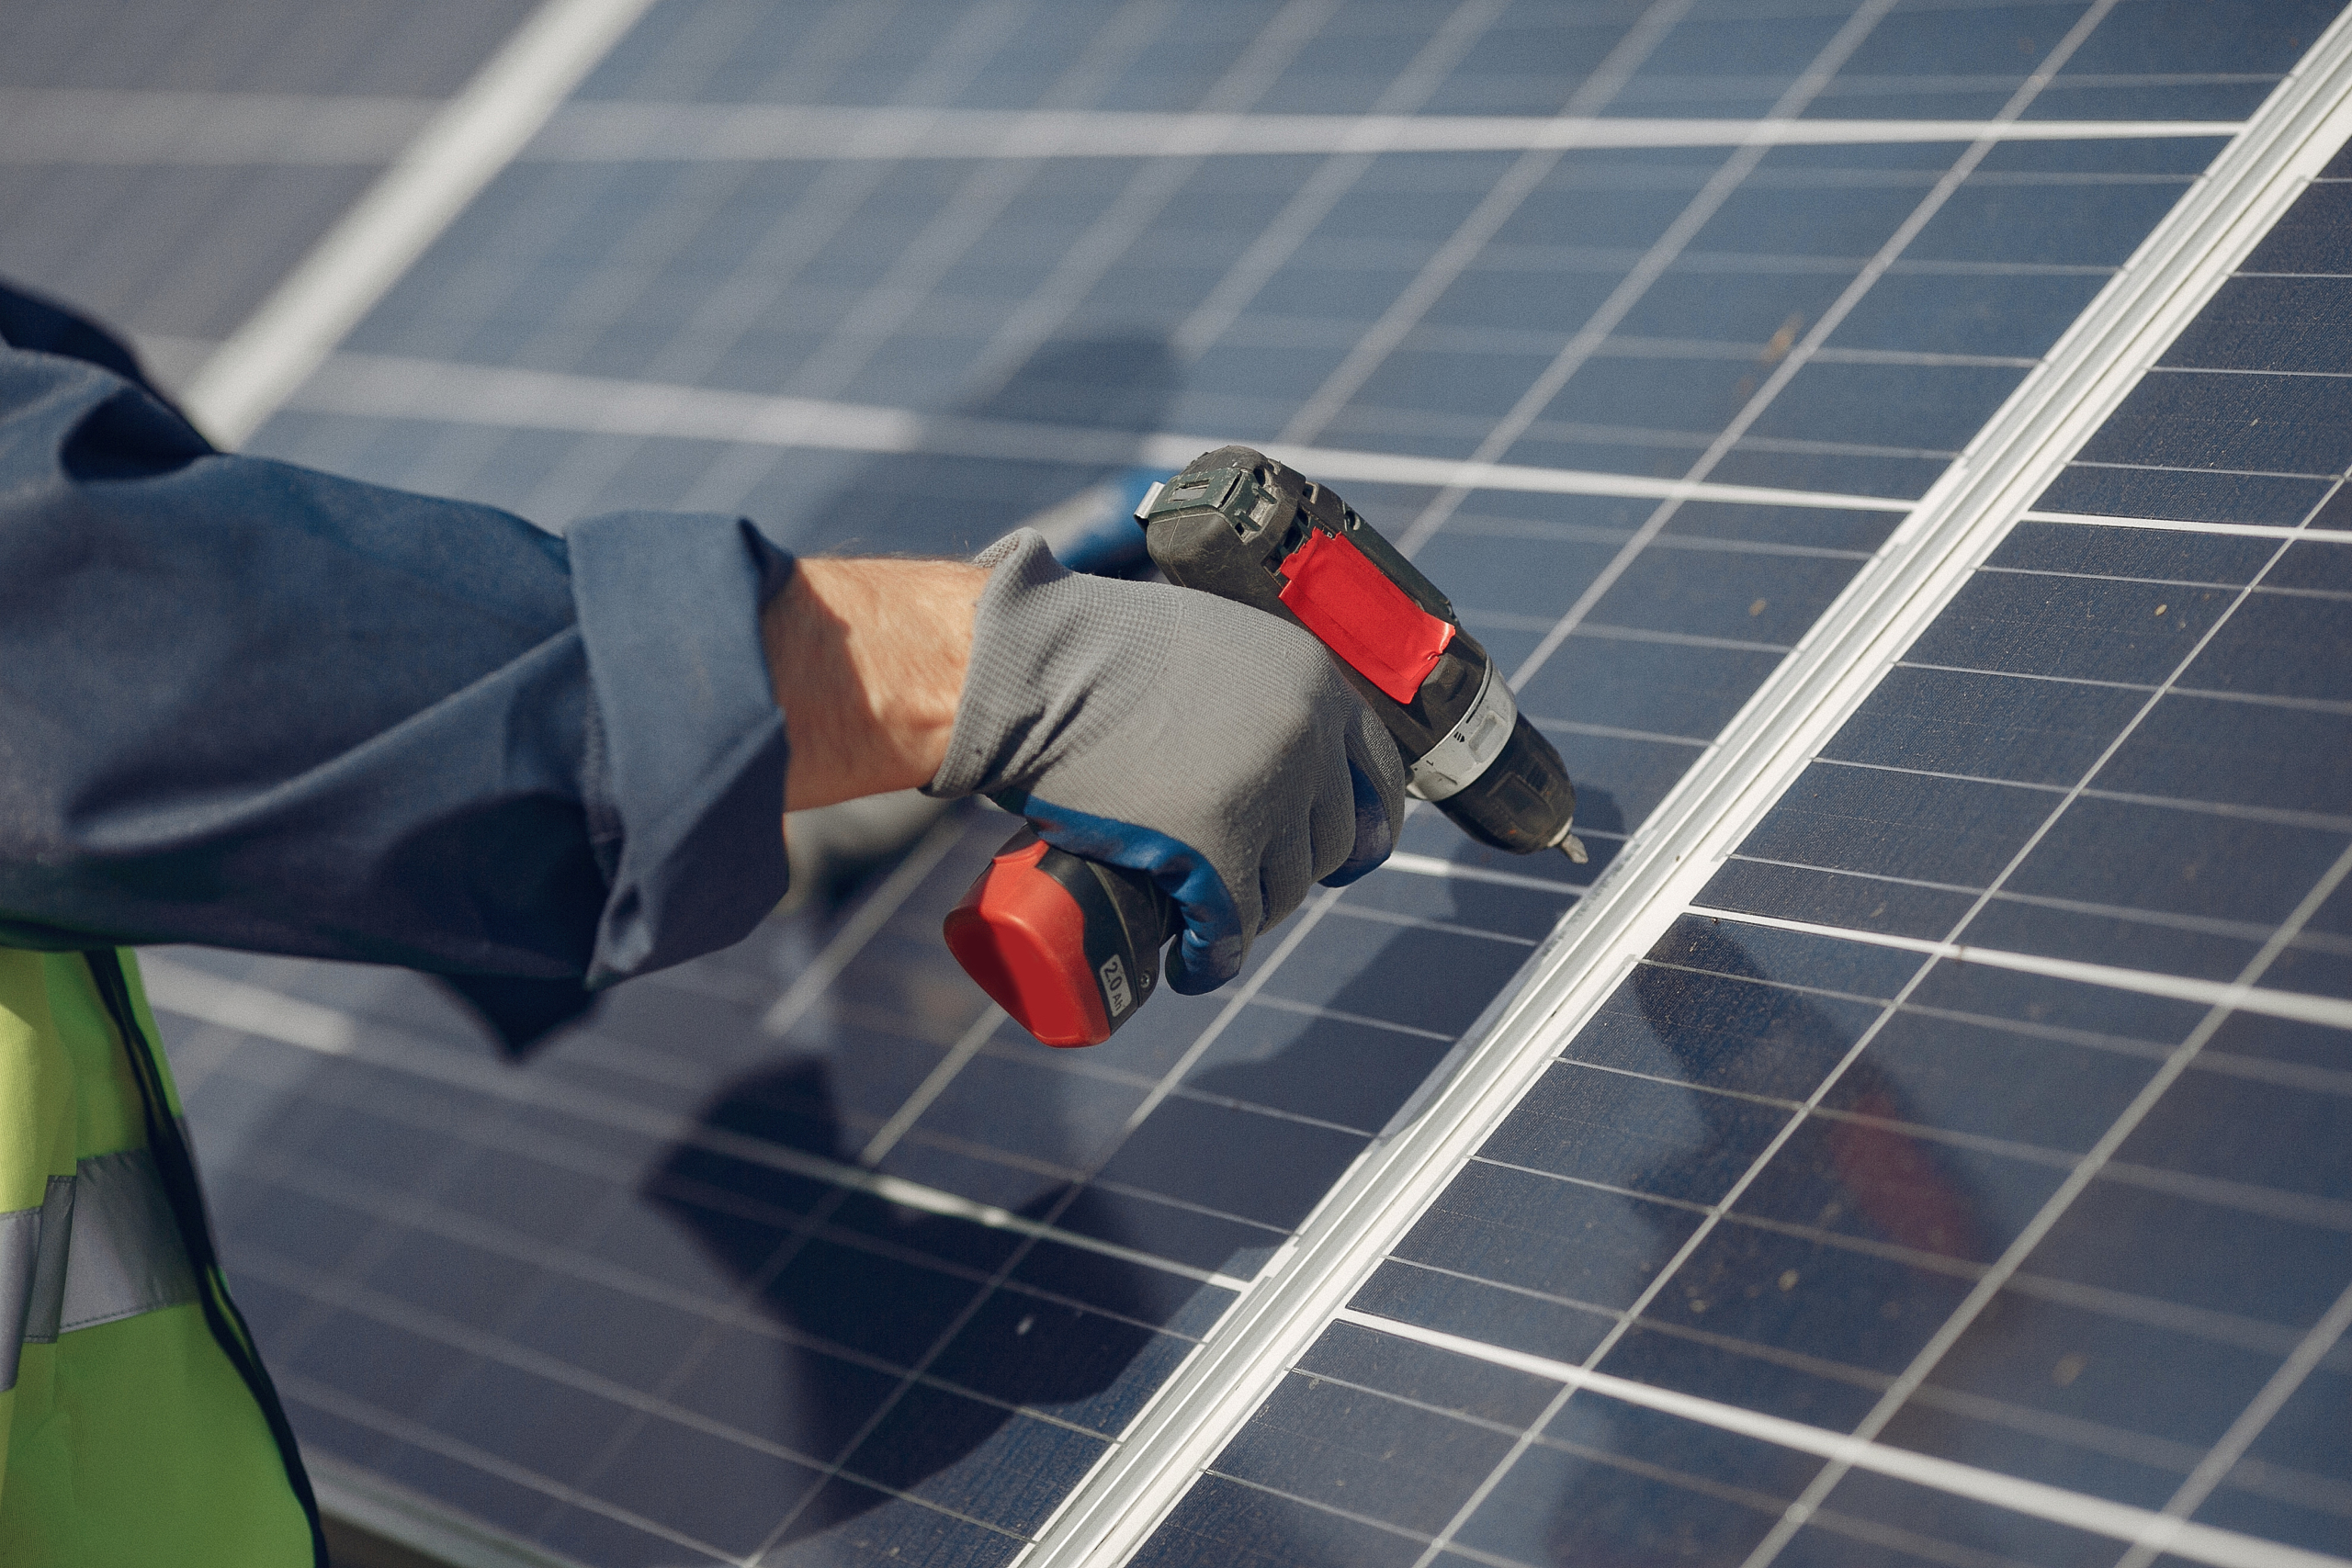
{"x":868,"y":659}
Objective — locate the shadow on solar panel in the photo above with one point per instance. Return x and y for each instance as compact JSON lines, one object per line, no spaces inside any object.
{"x":868,"y":1286}
{"x":1858,"y":1242}
{"x":1855,"y":1208}
{"x":1863,"y":1175}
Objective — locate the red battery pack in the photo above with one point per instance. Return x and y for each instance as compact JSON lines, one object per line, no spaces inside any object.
{"x":1022,"y":936}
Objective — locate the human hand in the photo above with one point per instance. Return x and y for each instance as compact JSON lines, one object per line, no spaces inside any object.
{"x":1206,"y":743}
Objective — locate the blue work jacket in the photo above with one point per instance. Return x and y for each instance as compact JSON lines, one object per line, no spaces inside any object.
{"x":253,"y":706}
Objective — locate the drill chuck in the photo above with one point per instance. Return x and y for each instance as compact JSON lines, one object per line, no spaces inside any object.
{"x":1069,"y":948}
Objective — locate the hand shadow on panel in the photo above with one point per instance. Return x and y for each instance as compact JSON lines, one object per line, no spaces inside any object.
{"x":889,"y":1300}
{"x":1853,"y":1178}
{"x":920,"y":503}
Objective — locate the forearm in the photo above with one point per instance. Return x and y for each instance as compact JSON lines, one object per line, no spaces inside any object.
{"x":281,"y":710}
{"x":257,"y":707}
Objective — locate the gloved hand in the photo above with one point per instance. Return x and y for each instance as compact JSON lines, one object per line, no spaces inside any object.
{"x":1172,"y":732}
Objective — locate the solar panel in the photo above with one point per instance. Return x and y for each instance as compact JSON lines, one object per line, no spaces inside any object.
{"x":801,"y":1254}
{"x":1909,"y":1128}
{"x":180,"y":253}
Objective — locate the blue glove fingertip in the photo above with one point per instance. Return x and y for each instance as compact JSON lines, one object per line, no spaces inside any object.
{"x":1195,"y":967}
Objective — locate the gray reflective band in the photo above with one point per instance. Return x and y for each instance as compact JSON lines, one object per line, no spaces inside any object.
{"x":1455,"y":763}
{"x":102,"y":1245}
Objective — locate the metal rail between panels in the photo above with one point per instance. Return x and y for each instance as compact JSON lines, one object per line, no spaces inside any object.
{"x":2088,"y":373}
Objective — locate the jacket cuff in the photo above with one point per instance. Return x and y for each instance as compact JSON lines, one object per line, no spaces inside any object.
{"x":686,"y":792}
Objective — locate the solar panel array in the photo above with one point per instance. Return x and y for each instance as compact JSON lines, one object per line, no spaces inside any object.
{"x":175,"y":252}
{"x":1810,"y":1163}
{"x":800,"y":1254}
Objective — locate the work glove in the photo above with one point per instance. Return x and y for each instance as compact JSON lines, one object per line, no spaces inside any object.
{"x":1205,"y":743}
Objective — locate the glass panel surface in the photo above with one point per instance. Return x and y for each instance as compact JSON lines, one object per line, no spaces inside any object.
{"x":2065,"y":1226}
{"x":753,"y":1268}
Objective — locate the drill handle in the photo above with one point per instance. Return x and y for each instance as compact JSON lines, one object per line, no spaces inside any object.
{"x":1069,"y":947}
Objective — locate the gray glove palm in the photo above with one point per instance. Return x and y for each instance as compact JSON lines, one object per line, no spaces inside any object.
{"x":1205,"y":743}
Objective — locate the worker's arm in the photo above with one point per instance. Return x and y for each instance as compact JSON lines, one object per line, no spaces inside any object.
{"x":253,"y":706}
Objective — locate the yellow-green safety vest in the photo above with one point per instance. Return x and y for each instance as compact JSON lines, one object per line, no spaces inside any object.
{"x":137,"y":1426}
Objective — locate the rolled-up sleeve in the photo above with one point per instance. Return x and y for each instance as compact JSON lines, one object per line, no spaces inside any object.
{"x":253,"y":706}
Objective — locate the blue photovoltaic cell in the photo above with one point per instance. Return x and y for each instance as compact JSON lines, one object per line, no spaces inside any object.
{"x":651,"y":1297}
{"x":179,"y":255}
{"x":2097,"y":1237}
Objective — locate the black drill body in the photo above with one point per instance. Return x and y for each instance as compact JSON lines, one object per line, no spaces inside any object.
{"x":1227,"y":524}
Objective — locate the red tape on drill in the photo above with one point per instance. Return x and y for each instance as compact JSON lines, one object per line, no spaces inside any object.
{"x":1362,"y":616}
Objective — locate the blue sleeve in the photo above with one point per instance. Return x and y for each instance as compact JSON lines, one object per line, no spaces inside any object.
{"x":251,"y":705}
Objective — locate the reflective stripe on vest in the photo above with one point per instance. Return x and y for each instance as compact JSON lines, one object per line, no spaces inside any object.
{"x":102,"y":1245}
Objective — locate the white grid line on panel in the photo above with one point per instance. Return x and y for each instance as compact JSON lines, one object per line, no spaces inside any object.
{"x":2119,"y":1521}
{"x":358,"y":261}
{"x":82,"y":127}
{"x":2178,"y":526}
{"x":388,"y":386}
{"x":656,"y":132}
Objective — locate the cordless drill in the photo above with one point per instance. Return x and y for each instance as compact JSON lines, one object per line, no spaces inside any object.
{"x":1070,"y":947}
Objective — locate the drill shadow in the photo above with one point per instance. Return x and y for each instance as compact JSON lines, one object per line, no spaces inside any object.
{"x":1899,"y":1224}
{"x":862,"y":1291}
